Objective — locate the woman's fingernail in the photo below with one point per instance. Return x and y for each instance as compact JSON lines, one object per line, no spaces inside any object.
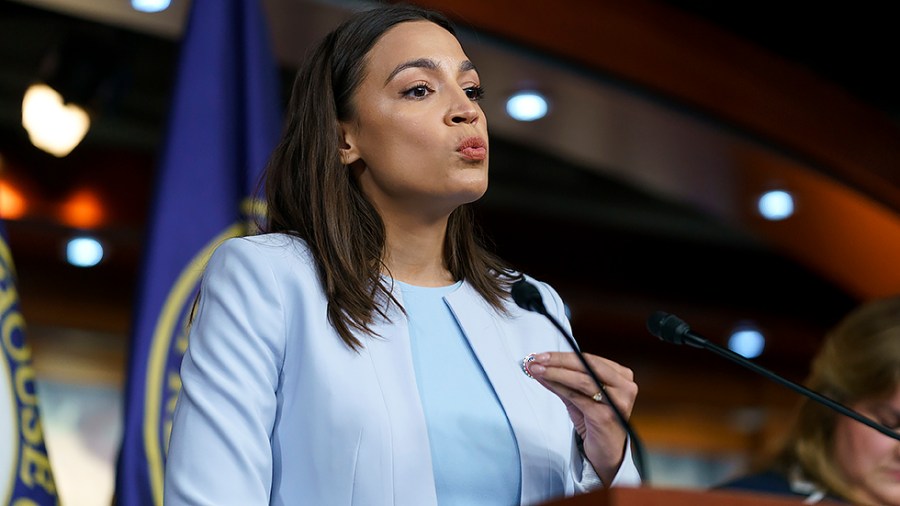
{"x":532,"y":363}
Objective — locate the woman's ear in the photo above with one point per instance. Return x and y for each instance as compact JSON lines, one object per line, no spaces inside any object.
{"x":349,"y":152}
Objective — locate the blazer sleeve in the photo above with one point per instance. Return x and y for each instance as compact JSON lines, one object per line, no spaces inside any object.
{"x":586,"y":478}
{"x":220,"y":452}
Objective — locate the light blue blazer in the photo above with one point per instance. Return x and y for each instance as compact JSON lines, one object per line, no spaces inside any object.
{"x":276,"y":409}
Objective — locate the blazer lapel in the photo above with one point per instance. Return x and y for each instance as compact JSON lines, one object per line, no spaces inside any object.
{"x":412,"y":473}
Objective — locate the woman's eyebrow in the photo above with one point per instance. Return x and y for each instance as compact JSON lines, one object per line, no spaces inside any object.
{"x":425,"y":63}
{"x":467,"y":65}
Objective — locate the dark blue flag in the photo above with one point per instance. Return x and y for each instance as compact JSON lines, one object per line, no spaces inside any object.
{"x":25,"y":474}
{"x":224,"y":121}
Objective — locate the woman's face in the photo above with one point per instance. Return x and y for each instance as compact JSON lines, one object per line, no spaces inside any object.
{"x":869,"y":459}
{"x":418,"y":144}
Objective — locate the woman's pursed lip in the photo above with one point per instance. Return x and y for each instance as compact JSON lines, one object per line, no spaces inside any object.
{"x":471,"y":142}
{"x":472,"y":148}
{"x":474,"y":153}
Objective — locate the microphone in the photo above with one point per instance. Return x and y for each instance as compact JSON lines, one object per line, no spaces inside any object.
{"x":527,"y":297}
{"x":674,"y":330}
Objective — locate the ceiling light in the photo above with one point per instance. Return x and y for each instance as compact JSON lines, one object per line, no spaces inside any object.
{"x":150,"y":5}
{"x":12,"y":203}
{"x":83,"y":209}
{"x":52,"y":125}
{"x":527,"y":106}
{"x":776,"y":205}
{"x":747,"y":342}
{"x":84,"y":252}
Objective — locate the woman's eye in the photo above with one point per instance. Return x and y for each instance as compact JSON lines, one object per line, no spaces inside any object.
{"x":887,"y":417}
{"x":418,"y":91}
{"x":475,"y":93}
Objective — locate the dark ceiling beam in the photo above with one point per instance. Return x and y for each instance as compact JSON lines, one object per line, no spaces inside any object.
{"x":697,"y":65}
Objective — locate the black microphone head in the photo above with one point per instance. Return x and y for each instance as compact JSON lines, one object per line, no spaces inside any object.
{"x":527,"y":296}
{"x":667,"y":327}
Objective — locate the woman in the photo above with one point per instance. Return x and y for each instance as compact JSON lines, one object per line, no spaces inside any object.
{"x":827,"y":454}
{"x":365,"y":350}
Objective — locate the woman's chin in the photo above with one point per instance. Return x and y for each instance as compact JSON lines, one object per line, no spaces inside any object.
{"x":473,"y":194}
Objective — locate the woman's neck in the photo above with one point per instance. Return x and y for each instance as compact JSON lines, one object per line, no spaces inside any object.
{"x":414,"y":252}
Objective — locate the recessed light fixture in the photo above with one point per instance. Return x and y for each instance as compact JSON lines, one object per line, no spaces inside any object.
{"x":747,"y":342}
{"x":526,"y":106}
{"x":150,"y":5}
{"x":776,"y":205}
{"x":84,"y":252}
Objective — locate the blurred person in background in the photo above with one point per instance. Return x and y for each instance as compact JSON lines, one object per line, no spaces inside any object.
{"x":825,"y":454}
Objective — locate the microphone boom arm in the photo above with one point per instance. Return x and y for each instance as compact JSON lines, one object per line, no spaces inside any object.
{"x":670,"y":328}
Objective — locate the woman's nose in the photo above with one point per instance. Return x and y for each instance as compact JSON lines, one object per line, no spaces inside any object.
{"x":463,"y":110}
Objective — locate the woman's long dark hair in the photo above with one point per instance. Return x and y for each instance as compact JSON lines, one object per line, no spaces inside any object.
{"x":312,"y":195}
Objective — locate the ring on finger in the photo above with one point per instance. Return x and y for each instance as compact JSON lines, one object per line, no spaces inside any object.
{"x":598,"y":397}
{"x":526,"y":362}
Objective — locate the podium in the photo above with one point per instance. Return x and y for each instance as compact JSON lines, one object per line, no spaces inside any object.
{"x":649,"y":496}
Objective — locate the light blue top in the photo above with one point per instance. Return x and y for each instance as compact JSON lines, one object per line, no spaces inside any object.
{"x":473,"y":449}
